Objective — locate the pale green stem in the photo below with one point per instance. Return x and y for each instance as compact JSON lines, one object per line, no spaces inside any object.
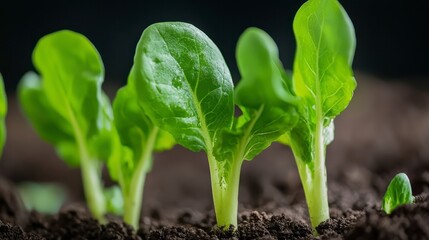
{"x":314,"y":181}
{"x":93,"y":188}
{"x":134,"y":195}
{"x":225,"y":194}
{"x":91,"y":174}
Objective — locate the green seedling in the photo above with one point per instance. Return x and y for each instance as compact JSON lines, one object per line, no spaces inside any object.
{"x":68,"y":109}
{"x":184,"y":86}
{"x":323,"y":80}
{"x":3,"y":110}
{"x":398,"y":193}
{"x":137,"y":137}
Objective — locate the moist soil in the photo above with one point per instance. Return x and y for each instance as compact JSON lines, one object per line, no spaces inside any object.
{"x":384,"y":131}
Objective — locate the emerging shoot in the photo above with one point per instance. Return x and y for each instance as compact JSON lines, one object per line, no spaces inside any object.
{"x":398,"y":193}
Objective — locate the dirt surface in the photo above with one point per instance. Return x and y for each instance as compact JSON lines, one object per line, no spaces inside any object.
{"x":407,"y":222}
{"x":384,"y":131}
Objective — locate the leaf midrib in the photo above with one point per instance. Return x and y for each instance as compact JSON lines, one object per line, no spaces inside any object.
{"x":203,"y":129}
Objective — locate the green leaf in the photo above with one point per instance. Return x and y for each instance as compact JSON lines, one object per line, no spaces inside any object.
{"x":72,"y":73}
{"x":3,"y":110}
{"x":132,"y":125}
{"x":252,"y":133}
{"x":75,"y":110}
{"x":262,"y":75}
{"x":183,"y":83}
{"x":267,"y":105}
{"x":325,"y":48}
{"x":48,"y":125}
{"x":398,"y":193}
{"x":322,"y":74}
{"x":134,"y":128}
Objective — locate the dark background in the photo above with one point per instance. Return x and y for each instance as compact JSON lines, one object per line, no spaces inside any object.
{"x":391,"y":35}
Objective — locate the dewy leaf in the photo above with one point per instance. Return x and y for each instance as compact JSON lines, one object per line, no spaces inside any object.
{"x":3,"y":110}
{"x":183,"y":83}
{"x":398,"y":193}
{"x":76,"y":115}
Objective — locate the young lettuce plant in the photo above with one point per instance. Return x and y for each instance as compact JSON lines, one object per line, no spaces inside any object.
{"x":3,"y":110}
{"x":398,"y":193}
{"x":68,"y":109}
{"x":137,"y":137}
{"x":323,"y":80}
{"x":184,"y":86}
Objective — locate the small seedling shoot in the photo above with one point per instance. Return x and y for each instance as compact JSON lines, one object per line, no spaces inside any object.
{"x":68,"y":109}
{"x":184,"y":86}
{"x":398,"y":193}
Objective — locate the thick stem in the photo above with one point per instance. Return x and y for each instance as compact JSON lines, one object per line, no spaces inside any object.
{"x":314,"y":181}
{"x":92,"y":186}
{"x":225,"y":193}
{"x":134,"y":194}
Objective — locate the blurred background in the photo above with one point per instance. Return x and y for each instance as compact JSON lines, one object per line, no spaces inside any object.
{"x":392,"y":35}
{"x":388,"y":119}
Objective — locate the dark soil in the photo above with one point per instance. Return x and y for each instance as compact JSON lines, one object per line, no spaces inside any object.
{"x":385,"y":131}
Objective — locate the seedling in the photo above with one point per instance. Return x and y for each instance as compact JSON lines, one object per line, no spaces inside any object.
{"x":3,"y":110}
{"x":184,"y":86}
{"x":398,"y":193}
{"x":137,"y":137}
{"x":322,"y":80}
{"x":68,"y":109}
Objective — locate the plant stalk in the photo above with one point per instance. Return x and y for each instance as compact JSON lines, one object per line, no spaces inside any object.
{"x":314,"y":181}
{"x":91,"y":174}
{"x":133,"y":200}
{"x":225,"y":193}
{"x":134,"y":194}
{"x":92,"y":186}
